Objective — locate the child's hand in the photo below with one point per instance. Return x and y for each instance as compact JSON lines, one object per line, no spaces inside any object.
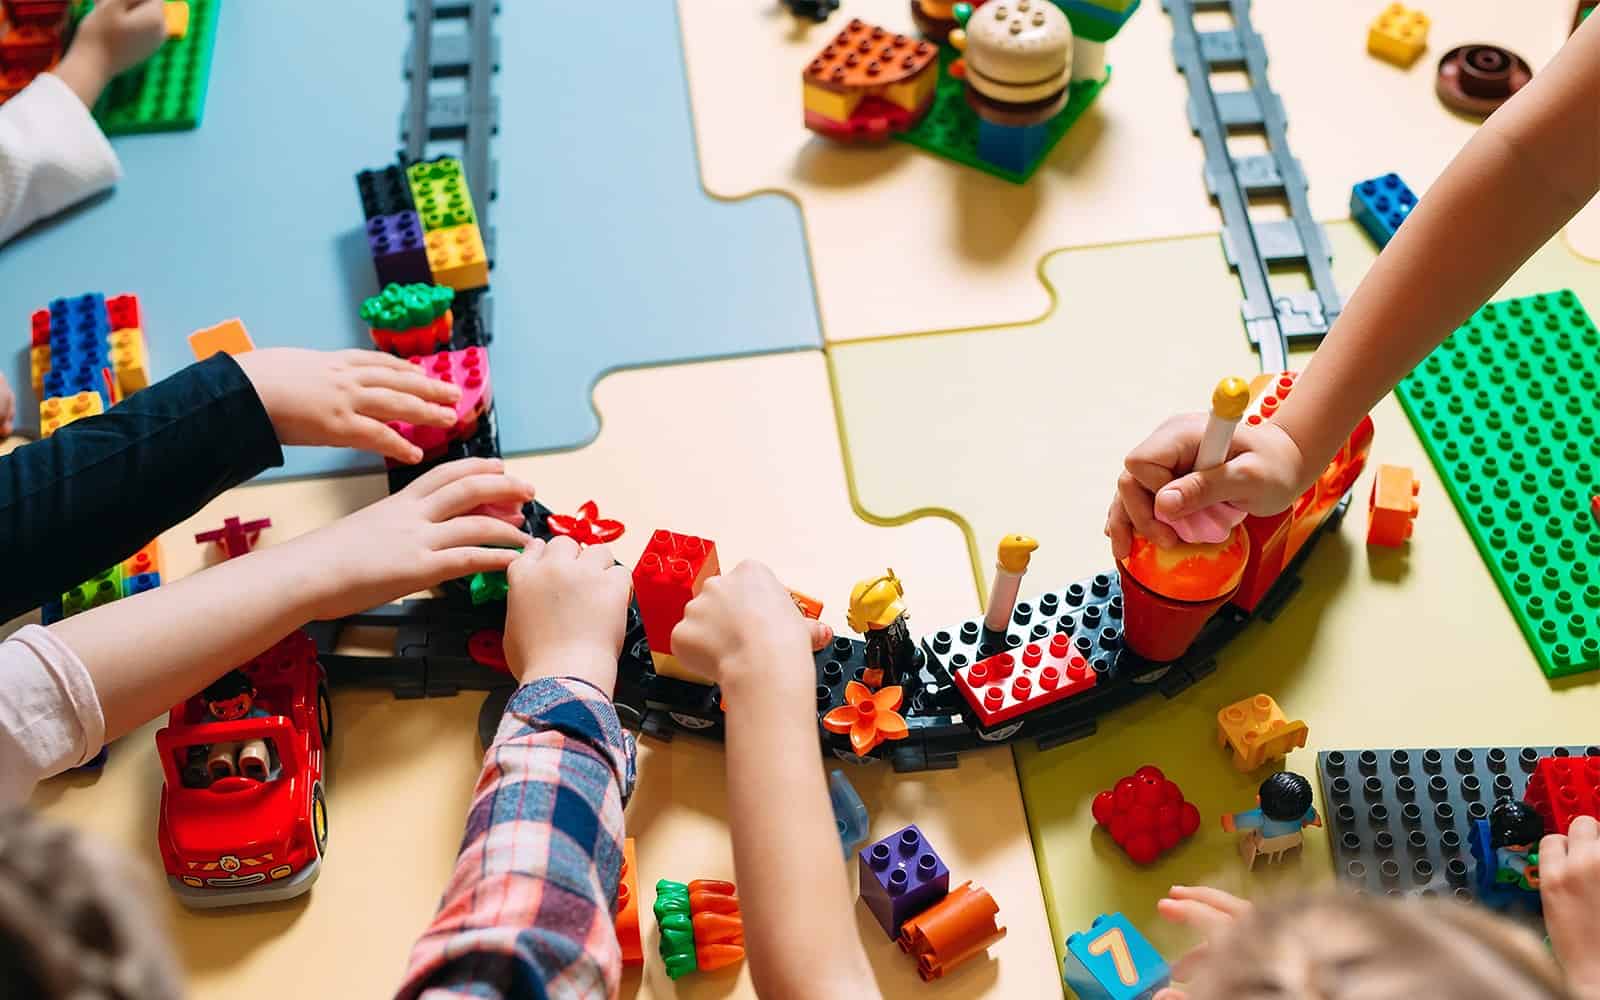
{"x":1211,"y":912}
{"x":116,"y":36}
{"x":8,"y":408}
{"x":1263,"y":475}
{"x":438,"y":528}
{"x":344,"y":398}
{"x":566,"y":612}
{"x":1569,"y":886}
{"x":744,"y":626}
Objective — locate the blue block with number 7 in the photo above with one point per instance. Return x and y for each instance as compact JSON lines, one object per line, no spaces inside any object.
{"x":1112,"y":961}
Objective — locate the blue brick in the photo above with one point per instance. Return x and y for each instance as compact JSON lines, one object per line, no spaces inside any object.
{"x":1012,"y":148}
{"x":1380,"y":205}
{"x":140,"y":582}
{"x":901,"y":875}
{"x":1091,"y":966}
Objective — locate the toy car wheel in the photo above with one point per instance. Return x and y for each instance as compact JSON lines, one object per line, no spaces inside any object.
{"x":319,"y":819}
{"x":690,"y":721}
{"x":850,"y":758}
{"x":325,"y":714}
{"x":1000,"y":735}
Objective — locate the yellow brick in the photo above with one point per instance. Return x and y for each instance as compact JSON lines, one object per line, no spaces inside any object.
{"x":457,"y":258}
{"x":667,"y":665}
{"x":830,"y":104}
{"x":129,"y":362}
{"x":1258,"y":731}
{"x":1398,"y":35}
{"x":59,"y":411}
{"x":913,"y":93}
{"x":177,"y":13}
{"x":39,"y":362}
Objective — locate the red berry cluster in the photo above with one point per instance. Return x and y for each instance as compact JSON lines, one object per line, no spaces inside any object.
{"x":1146,"y":814}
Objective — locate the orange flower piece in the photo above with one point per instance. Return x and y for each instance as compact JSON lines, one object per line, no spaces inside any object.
{"x":869,"y":717}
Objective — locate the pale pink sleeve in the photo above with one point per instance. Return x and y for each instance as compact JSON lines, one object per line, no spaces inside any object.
{"x":50,"y":718}
{"x":52,"y":154}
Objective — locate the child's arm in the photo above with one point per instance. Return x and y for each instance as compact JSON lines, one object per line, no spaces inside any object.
{"x":52,"y":153}
{"x":1569,"y":888}
{"x":743,"y":631}
{"x":98,"y":490}
{"x":528,"y":911}
{"x":99,"y":674}
{"x":1527,"y":171}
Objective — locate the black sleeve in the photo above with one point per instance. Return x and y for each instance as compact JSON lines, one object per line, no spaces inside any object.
{"x":96,"y":491}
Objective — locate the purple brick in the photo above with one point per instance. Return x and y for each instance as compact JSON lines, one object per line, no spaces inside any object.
{"x":398,"y":250}
{"x":902,"y":875}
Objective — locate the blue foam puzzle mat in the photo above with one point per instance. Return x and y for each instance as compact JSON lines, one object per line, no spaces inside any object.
{"x":609,"y":253}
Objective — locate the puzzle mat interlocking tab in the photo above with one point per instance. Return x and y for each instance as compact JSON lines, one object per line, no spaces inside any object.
{"x":904,"y":242}
{"x":687,"y":467}
{"x":609,"y":253}
{"x":1017,"y":429}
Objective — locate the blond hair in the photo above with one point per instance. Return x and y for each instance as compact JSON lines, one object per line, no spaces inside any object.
{"x":72,"y":924}
{"x":1335,"y":946}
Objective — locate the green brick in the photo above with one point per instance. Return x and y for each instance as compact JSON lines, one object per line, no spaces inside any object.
{"x":406,"y":307}
{"x":485,"y":588}
{"x":677,"y":928}
{"x":1507,"y":408}
{"x":97,"y":590}
{"x":168,"y":92}
{"x":950,"y":128}
{"x":440,"y":191}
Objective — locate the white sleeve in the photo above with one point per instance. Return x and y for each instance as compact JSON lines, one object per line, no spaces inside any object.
{"x":50,"y":716}
{"x":52,"y":154}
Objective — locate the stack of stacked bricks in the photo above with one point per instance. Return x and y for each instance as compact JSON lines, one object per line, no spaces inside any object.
{"x":32,"y":34}
{"x":168,"y":91}
{"x":907,"y":887}
{"x":869,"y":83}
{"x":670,"y":572}
{"x":701,"y":926}
{"x":410,"y":319}
{"x":86,"y":353}
{"x":421,"y":226}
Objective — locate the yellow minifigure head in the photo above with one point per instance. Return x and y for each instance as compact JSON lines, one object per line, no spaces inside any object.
{"x":875,"y":603}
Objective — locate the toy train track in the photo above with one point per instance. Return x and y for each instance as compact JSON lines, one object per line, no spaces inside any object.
{"x":454,"y":40}
{"x":1253,"y":249}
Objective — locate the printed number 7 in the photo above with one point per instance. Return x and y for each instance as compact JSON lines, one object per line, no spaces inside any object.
{"x":1112,"y":941}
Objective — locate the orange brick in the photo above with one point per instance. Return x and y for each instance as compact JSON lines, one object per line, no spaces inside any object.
{"x":1392,"y":506}
{"x":229,"y":337}
{"x":628,"y":907}
{"x":146,"y":560}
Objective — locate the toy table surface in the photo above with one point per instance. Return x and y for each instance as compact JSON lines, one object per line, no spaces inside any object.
{"x":1382,"y":648}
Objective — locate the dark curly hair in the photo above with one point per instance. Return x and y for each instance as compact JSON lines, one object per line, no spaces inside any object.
{"x":70,"y":926}
{"x":1285,"y":796}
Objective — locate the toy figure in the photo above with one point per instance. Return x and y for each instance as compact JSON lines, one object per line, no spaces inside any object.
{"x":1011,"y":564}
{"x":229,"y":698}
{"x":1283,"y":810}
{"x":879,"y":614}
{"x":1514,"y":832}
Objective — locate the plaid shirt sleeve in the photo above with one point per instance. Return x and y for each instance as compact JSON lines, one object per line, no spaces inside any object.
{"x":528,"y":912}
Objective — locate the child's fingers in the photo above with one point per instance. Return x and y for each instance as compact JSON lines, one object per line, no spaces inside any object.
{"x":466,"y":495}
{"x":409,"y":379}
{"x":598,"y":555}
{"x":821,"y":635}
{"x":445,"y":473}
{"x":452,"y":563}
{"x":381,"y":439}
{"x":1119,"y":529}
{"x":476,"y":529}
{"x":1552,"y":857}
{"x":1227,"y":902}
{"x":1139,"y":506}
{"x":392,"y":404}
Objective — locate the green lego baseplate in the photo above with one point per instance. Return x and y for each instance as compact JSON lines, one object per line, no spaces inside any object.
{"x":168,"y":92}
{"x":950,"y":128}
{"x":1507,"y":409}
